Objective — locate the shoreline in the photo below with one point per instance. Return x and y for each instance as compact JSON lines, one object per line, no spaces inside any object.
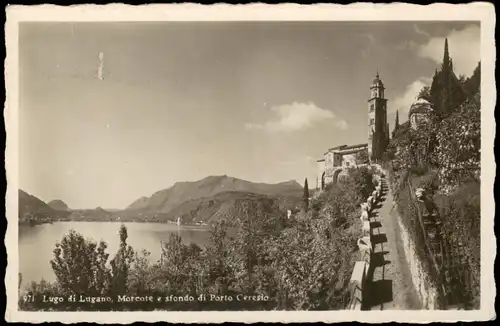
{"x":206,"y":226}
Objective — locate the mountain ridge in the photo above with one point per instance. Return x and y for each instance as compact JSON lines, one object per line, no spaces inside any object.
{"x":58,"y":205}
{"x":167,"y":199}
{"x":29,"y":204}
{"x":202,"y":201}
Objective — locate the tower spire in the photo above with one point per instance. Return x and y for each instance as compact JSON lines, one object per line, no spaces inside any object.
{"x":377,"y":73}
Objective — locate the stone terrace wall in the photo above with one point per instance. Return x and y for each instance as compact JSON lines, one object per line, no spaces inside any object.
{"x":426,"y":290}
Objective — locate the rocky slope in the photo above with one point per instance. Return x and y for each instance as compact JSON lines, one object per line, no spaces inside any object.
{"x":166,"y":200}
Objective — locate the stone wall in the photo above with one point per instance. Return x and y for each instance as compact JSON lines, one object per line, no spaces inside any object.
{"x":329,"y":161}
{"x":426,"y":290}
{"x":320,"y":170}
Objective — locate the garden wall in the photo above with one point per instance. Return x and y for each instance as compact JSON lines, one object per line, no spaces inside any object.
{"x":426,"y":290}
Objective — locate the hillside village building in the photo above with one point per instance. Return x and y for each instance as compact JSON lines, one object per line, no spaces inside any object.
{"x":338,"y":159}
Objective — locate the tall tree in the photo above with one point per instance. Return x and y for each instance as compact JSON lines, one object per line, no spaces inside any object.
{"x":80,"y":265}
{"x":396,"y":124}
{"x":121,"y":263}
{"x":446,"y":71}
{"x":472,"y":85}
{"x":446,"y":90}
{"x":446,"y":56}
{"x":434,"y":92}
{"x":306,"y":196}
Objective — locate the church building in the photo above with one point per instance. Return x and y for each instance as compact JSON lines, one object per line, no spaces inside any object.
{"x":338,"y":159}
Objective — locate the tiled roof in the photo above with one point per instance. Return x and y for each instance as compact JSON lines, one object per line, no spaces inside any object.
{"x":338,"y":147}
{"x":345,"y":147}
{"x":354,"y":146}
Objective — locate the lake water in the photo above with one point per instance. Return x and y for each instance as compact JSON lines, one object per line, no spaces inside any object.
{"x":36,"y":243}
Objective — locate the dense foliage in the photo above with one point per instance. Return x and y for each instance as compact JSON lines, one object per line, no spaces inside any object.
{"x":442,"y":156}
{"x":302,"y":263}
{"x":460,"y":213}
{"x":458,"y":151}
{"x":450,"y":141}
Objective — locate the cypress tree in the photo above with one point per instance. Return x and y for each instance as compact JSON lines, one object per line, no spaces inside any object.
{"x":446,"y":90}
{"x":435,"y":90}
{"x":306,"y":196}
{"x":445,"y":81}
{"x":472,"y":85}
{"x":446,"y":56}
{"x":396,"y":124}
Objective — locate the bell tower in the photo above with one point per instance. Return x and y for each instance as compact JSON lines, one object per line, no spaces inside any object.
{"x":378,"y":130}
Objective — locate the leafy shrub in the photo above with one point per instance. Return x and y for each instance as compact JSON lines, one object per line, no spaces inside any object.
{"x":362,"y":180}
{"x":80,"y":265}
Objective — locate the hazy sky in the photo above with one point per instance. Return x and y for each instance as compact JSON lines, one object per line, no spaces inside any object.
{"x":110,"y":112}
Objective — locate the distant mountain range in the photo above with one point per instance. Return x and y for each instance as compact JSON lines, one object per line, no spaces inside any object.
{"x":206,"y":200}
{"x":30,"y":204}
{"x":32,"y":210}
{"x":167,"y":199}
{"x":213,"y":198}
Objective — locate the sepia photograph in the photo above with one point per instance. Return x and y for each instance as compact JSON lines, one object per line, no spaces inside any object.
{"x":250,"y":165}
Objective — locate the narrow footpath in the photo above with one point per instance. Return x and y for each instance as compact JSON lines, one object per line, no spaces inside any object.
{"x":389,"y":284}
